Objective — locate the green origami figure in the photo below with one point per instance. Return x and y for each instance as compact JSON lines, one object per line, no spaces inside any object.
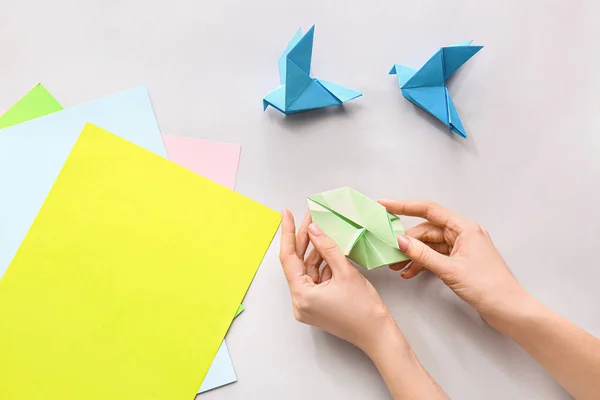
{"x":361,"y":227}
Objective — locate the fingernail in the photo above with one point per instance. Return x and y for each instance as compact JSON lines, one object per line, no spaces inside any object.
{"x":403,"y":243}
{"x":404,"y":272}
{"x":315,"y":230}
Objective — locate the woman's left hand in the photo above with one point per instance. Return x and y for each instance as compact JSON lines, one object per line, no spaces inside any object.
{"x":336,"y":298}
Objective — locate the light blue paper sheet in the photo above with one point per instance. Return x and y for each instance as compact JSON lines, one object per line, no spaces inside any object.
{"x":221,"y":370}
{"x":33,"y":153}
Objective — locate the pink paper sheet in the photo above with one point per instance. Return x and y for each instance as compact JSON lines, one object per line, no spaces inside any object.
{"x":219,"y":163}
{"x":213,"y":160}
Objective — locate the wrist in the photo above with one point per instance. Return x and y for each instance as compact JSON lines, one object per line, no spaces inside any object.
{"x":506,"y":312}
{"x":402,"y":372}
{"x":386,"y":339}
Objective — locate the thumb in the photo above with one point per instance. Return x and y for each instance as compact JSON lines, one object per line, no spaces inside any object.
{"x":424,"y":255}
{"x":328,"y":249}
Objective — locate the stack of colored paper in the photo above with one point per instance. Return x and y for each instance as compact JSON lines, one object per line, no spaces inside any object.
{"x":121,"y":271}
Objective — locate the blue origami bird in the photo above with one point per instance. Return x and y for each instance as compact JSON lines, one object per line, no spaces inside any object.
{"x":426,"y":87}
{"x":298,"y":91}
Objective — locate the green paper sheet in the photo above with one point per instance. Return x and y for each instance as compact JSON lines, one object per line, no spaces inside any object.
{"x":37,"y":103}
{"x":361,"y":227}
{"x":239,"y":310}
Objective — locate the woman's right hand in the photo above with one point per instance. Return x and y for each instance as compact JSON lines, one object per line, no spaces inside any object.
{"x":461,"y":254}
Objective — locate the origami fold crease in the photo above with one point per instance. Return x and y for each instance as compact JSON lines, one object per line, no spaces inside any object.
{"x":298,"y":91}
{"x":362,"y":228}
{"x":426,"y":87}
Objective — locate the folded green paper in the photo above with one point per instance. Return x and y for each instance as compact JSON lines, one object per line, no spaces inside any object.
{"x":361,"y":227}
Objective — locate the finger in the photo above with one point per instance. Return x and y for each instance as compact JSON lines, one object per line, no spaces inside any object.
{"x":399,"y":266}
{"x":302,"y":239}
{"x":427,"y":232}
{"x":293,"y":267}
{"x":422,"y":254}
{"x":413,"y":270}
{"x":326,"y":274}
{"x":441,"y":248}
{"x":330,"y":252}
{"x":428,"y":210}
{"x":313,"y":263}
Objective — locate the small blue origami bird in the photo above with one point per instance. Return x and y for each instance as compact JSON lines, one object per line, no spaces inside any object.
{"x":426,"y":87}
{"x":298,"y":91}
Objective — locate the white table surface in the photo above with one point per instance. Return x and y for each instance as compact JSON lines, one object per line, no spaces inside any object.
{"x":529,"y":172}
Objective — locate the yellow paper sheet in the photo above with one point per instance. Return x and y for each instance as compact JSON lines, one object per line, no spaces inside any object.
{"x":128,"y":279}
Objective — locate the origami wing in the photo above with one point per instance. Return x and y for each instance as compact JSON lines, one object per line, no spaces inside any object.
{"x":298,"y":51}
{"x":294,"y":66}
{"x":456,"y":55}
{"x":442,"y":65}
{"x":282,"y":62}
